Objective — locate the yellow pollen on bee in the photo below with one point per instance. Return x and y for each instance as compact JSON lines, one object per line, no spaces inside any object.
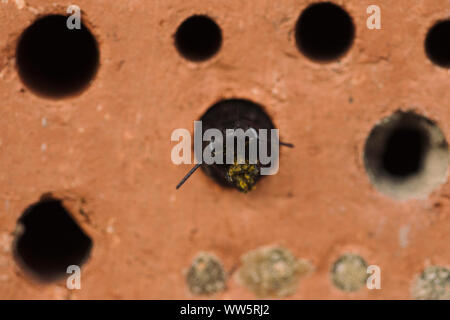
{"x":243,"y":176}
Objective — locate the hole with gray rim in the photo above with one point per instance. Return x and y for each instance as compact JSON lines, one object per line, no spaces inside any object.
{"x":406,"y":156}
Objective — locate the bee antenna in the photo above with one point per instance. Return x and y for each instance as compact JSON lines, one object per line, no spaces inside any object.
{"x":188,"y":175}
{"x":289,"y":145}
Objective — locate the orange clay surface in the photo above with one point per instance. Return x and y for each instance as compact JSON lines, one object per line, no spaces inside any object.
{"x":107,"y":150}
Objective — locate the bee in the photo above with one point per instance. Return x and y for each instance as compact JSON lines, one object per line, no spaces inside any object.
{"x":235,"y":114}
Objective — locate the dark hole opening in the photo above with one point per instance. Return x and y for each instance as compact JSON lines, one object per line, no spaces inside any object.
{"x":404,"y":151}
{"x":50,"y":240}
{"x":233,"y":114}
{"x":437,"y":44}
{"x":55,"y":61}
{"x":406,"y":155}
{"x":324,"y":32}
{"x":198,"y":38}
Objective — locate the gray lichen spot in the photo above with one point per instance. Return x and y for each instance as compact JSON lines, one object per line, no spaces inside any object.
{"x":349,"y":272}
{"x":206,"y":275}
{"x":272,"y":272}
{"x":432,"y":284}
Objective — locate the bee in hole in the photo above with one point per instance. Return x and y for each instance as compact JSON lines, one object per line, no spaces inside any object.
{"x":241,"y":173}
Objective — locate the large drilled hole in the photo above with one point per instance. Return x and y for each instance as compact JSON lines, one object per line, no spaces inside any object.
{"x":198,"y":38}
{"x":55,"y":61}
{"x":233,"y":114}
{"x":437,"y":44}
{"x":49,"y":240}
{"x":324,"y":32}
{"x":406,"y":156}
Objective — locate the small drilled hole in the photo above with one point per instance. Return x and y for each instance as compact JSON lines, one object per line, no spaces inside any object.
{"x":406,"y":155}
{"x":55,"y":61}
{"x":324,"y":32}
{"x":49,"y":240}
{"x":437,"y":44}
{"x":198,"y":38}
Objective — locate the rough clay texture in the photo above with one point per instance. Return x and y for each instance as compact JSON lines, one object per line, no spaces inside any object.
{"x":107,"y":151}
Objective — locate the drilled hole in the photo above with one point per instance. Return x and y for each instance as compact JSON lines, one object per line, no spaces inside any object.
{"x":233,"y":114}
{"x":55,"y":61}
{"x":437,"y":44}
{"x":49,"y":240}
{"x":198,"y":38}
{"x":324,"y":32}
{"x":406,"y":155}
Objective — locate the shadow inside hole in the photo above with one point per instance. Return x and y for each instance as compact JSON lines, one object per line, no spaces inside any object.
{"x":404,"y":151}
{"x":324,"y":32}
{"x":49,"y":240}
{"x":198,"y":38}
{"x":437,"y":44}
{"x":55,"y":61}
